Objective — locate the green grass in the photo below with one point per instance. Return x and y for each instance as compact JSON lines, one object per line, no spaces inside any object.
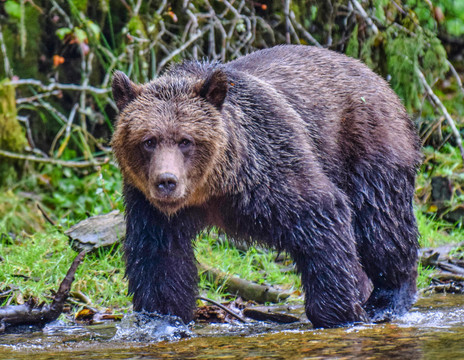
{"x":35,"y":266}
{"x":424,"y":276}
{"x":435,"y":232}
{"x":256,"y":265}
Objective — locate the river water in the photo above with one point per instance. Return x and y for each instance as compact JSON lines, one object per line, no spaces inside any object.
{"x":433,"y":329}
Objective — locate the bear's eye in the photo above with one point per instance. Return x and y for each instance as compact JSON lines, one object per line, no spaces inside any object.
{"x":184,"y":143}
{"x":149,"y":144}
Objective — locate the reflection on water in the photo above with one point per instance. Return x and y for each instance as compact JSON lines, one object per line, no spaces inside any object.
{"x":434,"y":329}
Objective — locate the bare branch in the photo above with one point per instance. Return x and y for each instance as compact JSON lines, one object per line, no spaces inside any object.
{"x":287,"y":21}
{"x":52,"y":86}
{"x":6,"y":63}
{"x":305,"y":33}
{"x":37,"y":97}
{"x":227,"y":310}
{"x":182,"y":48}
{"x":455,"y":74}
{"x":62,"y":13}
{"x":73,"y":164}
{"x":364,"y":15}
{"x":443,"y":109}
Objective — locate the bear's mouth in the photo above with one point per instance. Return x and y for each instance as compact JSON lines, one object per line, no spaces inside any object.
{"x":169,"y":206}
{"x":168,"y":199}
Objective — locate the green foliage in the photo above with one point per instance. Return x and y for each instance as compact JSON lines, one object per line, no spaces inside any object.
{"x":13,"y":9}
{"x":79,"y":5}
{"x":379,"y":9}
{"x":405,"y":55}
{"x":19,"y":213}
{"x":453,"y":11}
{"x":67,"y":195}
{"x":352,"y":49}
{"x":73,"y":197}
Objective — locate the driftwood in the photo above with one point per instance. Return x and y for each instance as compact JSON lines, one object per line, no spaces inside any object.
{"x":244,"y":288}
{"x":29,"y":314}
{"x":267,"y":314}
{"x":449,"y":268}
{"x":97,"y":231}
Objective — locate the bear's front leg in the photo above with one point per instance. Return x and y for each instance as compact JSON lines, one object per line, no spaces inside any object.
{"x":160,"y":262}
{"x":324,"y":251}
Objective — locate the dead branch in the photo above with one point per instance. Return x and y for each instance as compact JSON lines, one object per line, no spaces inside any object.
{"x":266,"y":314}
{"x":183,"y":47}
{"x":28,"y":314}
{"x":456,"y":75}
{"x":287,"y":21}
{"x":227,"y":310}
{"x":305,"y":33}
{"x":53,"y":86}
{"x":443,"y":109}
{"x":6,"y":63}
{"x":364,"y":15}
{"x":73,"y":164}
{"x":45,"y":215}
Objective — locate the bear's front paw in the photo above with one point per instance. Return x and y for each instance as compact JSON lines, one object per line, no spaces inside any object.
{"x":387,"y":304}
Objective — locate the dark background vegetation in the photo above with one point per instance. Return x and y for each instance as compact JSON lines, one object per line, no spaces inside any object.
{"x":57,"y":114}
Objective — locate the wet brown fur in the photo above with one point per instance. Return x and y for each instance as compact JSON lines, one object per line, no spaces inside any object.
{"x":299,"y":148}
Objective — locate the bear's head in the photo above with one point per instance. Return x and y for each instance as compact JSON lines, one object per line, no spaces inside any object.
{"x":170,"y":137}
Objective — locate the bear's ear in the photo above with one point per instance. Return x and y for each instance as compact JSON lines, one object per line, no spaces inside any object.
{"x":215,"y":87}
{"x":124,"y":90}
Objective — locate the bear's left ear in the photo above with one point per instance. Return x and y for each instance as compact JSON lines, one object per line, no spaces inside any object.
{"x":215,"y":88}
{"x":124,"y":90}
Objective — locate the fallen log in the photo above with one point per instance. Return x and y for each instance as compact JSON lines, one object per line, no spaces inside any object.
{"x":267,"y":314}
{"x":29,"y":314}
{"x":244,"y":288}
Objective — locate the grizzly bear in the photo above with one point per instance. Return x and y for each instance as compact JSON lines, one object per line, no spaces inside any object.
{"x":294,"y":147}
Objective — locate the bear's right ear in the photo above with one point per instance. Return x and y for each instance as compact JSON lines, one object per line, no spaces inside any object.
{"x":124,"y":90}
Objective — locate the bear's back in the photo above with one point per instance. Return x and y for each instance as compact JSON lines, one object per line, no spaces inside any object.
{"x":348,"y":108}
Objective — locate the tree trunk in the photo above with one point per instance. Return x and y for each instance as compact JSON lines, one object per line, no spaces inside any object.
{"x":12,"y":136}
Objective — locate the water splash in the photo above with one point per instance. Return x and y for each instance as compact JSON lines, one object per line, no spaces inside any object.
{"x":151,"y":327}
{"x":434,"y":318}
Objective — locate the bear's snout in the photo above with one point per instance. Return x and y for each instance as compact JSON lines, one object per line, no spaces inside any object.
{"x":166,"y":184}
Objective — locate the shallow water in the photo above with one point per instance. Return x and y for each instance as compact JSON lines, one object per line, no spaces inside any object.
{"x":433,"y":329}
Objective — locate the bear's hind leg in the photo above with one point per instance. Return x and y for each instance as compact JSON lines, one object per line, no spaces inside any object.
{"x":387,"y":237}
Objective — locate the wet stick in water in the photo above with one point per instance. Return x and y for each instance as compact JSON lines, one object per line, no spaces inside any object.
{"x":29,"y":314}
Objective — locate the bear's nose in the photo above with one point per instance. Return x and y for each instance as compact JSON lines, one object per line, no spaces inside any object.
{"x":166,"y":183}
